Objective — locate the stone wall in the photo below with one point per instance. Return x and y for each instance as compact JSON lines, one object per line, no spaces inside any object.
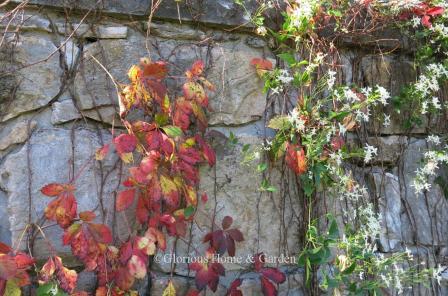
{"x":57,"y":106}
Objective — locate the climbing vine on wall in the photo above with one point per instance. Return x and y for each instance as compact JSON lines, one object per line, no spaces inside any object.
{"x":311,"y":138}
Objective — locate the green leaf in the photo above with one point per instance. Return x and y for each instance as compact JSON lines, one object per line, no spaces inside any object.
{"x":172,"y":131}
{"x":232,"y":140}
{"x":279,"y":122}
{"x":189,"y":211}
{"x":288,"y":58}
{"x":246,"y":148}
{"x":161,"y":119}
{"x":333,"y":230}
{"x":262,"y":167}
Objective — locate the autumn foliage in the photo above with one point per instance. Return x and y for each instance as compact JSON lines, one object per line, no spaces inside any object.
{"x":163,"y":154}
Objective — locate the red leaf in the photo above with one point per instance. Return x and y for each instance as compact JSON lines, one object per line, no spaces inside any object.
{"x":62,"y":210}
{"x":227,"y":222}
{"x":193,"y":292}
{"x":295,"y":158}
{"x":195,"y":91}
{"x":23,"y":261}
{"x":230,"y":246}
{"x":434,"y":11}
{"x":157,"y":90}
{"x":268,"y":287}
{"x":4,"y":248}
{"x":219,"y":242}
{"x":137,"y":267}
{"x":53,"y":189}
{"x":125,"y":199}
{"x":197,"y":68}
{"x":67,"y":278}
{"x":8,"y":267}
{"x":124,"y":279}
{"x":101,"y":233}
{"x":274,"y":275}
{"x":149,"y":164}
{"x":156,"y":70}
{"x":209,"y":154}
{"x":337,"y":142}
{"x":87,"y":216}
{"x":125,"y":252}
{"x":262,"y":64}
{"x":182,"y":113}
{"x":233,"y":290}
{"x":204,"y":197}
{"x":235,"y":234}
{"x":47,"y":270}
{"x":259,"y":261}
{"x":142,"y":212}
{"x":125,"y":143}
{"x":426,"y":21}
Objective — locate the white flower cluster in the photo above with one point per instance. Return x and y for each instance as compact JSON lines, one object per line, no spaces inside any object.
{"x":371,"y":221}
{"x":432,"y":159}
{"x":428,"y":84}
{"x":331,"y":79}
{"x":369,"y":153}
{"x":303,"y":12}
{"x":282,"y":78}
{"x":296,"y":121}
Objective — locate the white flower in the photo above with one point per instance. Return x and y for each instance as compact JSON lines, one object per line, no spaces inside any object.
{"x":350,"y":95}
{"x":367,"y":91}
{"x":331,"y":79}
{"x":433,"y":139}
{"x":369,"y":153}
{"x":296,"y":121}
{"x":437,"y":273}
{"x":342,"y":129}
{"x":436,"y":103}
{"x":424,"y":107}
{"x":262,"y":31}
{"x":415,"y":21}
{"x":284,"y":77}
{"x":384,"y":95}
{"x":386,"y":122}
{"x":337,"y":157}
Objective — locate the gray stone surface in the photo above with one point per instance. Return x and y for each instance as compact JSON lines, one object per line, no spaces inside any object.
{"x":64,"y":111}
{"x":39,"y":83}
{"x":17,"y":134}
{"x":5,"y":232}
{"x":222,"y":12}
{"x":388,"y":194}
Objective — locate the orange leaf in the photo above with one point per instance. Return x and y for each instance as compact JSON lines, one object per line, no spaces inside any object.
{"x":101,"y":153}
{"x":55,"y":189}
{"x":87,"y":216}
{"x":197,"y":68}
{"x":262,"y":64}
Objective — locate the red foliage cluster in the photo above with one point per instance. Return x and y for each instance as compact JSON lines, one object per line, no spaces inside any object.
{"x":425,"y":12}
{"x":13,"y":267}
{"x":164,"y":155}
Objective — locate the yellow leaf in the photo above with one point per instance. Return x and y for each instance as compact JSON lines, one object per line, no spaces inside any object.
{"x":169,"y":290}
{"x":167,"y":185}
{"x":127,"y":157}
{"x":13,"y":290}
